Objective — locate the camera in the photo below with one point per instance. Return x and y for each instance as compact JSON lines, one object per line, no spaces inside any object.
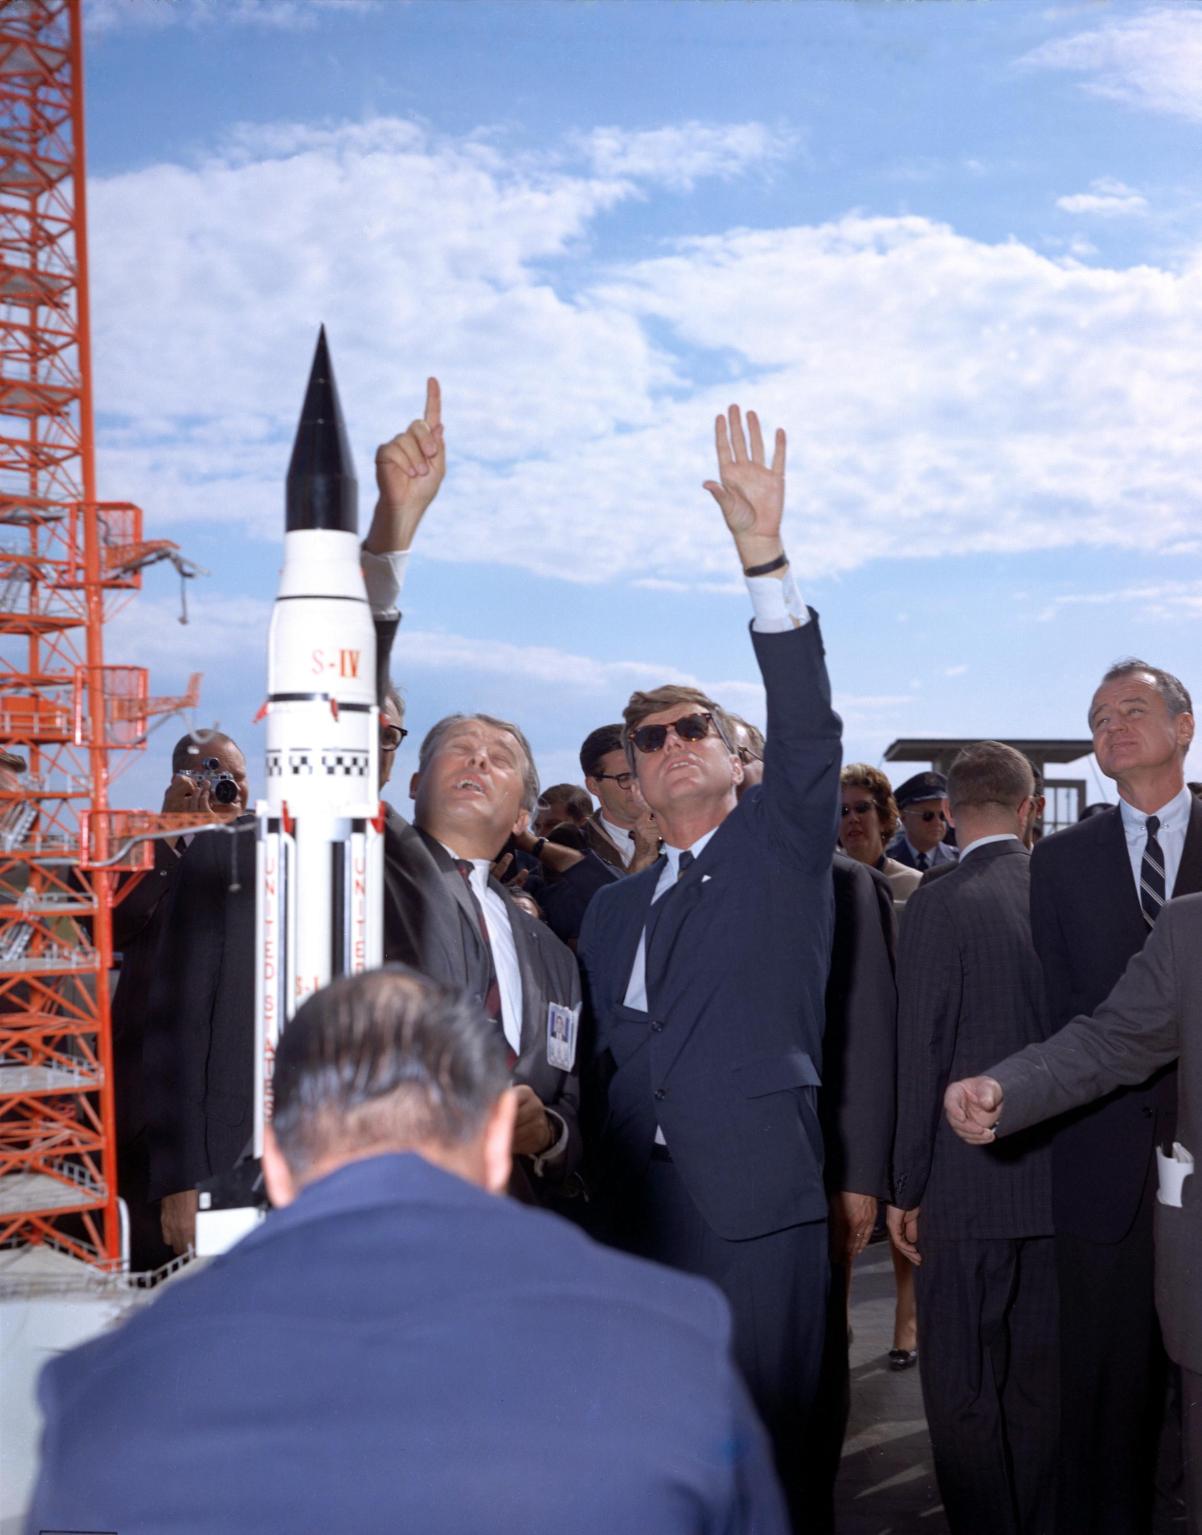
{"x":222,"y":787}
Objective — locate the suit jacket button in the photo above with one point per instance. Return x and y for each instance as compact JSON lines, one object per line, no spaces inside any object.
{"x":656,"y":1026}
{"x":1147,"y":1111}
{"x":660,"y":1095}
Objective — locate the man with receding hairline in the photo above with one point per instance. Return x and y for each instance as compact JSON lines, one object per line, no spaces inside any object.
{"x":1096,"y":891}
{"x":396,"y":1348}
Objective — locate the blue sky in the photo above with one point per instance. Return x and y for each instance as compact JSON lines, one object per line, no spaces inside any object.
{"x":955,"y":249}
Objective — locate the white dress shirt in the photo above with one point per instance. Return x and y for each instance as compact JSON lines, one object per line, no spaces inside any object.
{"x":1174,"y":823}
{"x":383,"y":577}
{"x":622,"y":839}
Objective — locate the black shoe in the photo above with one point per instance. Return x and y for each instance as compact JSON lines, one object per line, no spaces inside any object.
{"x":902,"y":1358}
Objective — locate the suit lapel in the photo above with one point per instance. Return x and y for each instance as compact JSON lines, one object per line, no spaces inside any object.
{"x":454,"y":886}
{"x":1189,"y":871}
{"x":1114,"y":873}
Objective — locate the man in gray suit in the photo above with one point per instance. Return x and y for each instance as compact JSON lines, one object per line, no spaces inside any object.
{"x":980,"y":1227}
{"x":1141,"y":1027}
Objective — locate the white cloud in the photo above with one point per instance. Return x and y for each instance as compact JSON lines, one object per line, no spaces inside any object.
{"x":1151,"y":60}
{"x":1106,"y":197}
{"x":105,"y":16}
{"x":1155,"y":599}
{"x":1013,"y":400}
{"x":955,"y":671}
{"x":681,"y":154}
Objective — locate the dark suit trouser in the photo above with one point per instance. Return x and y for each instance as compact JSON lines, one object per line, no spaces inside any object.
{"x":987,"y":1356}
{"x":1191,"y":1413}
{"x":1112,"y":1380}
{"x":777,"y":1288}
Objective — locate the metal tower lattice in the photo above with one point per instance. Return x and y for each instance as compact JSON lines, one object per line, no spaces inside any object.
{"x":65,"y":561}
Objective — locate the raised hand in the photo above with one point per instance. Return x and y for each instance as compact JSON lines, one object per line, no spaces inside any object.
{"x":973,"y":1107}
{"x":409,"y":473}
{"x":749,"y":490}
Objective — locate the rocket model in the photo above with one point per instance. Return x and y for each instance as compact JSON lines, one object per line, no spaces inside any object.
{"x":319,"y":858}
{"x":319,"y":843}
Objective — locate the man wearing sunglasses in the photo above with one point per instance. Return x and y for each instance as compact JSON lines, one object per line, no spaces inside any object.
{"x":706,"y":976}
{"x":922,"y":802}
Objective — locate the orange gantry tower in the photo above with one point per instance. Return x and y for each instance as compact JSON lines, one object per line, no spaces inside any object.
{"x":66,"y":561}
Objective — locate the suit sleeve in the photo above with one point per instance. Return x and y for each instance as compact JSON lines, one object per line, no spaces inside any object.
{"x":799,"y":801}
{"x":1135,"y":1032}
{"x":929,"y":985}
{"x":138,"y":896}
{"x":859,"y":1049}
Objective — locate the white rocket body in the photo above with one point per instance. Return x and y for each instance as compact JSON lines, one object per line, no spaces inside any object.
{"x":319,"y":851}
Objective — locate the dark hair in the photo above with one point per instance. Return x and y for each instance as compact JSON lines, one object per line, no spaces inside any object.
{"x":755,"y":738}
{"x":672,"y":694}
{"x":1171,"y":689}
{"x":187,"y":751}
{"x":862,"y":775}
{"x":577,"y":802}
{"x":989,"y":773}
{"x":384,"y":1061}
{"x":597,"y":744}
{"x":529,"y":772}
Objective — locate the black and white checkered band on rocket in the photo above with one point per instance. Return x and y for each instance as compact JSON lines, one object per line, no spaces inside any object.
{"x":1152,"y":886}
{"x":333,"y":764}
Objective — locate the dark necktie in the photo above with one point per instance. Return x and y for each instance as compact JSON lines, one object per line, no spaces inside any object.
{"x":657,"y":907}
{"x":922,"y":862}
{"x":1152,"y":888}
{"x":492,"y":995}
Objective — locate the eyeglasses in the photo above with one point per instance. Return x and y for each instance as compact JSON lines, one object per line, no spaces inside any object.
{"x":623,"y":780}
{"x":691,"y":727}
{"x":746,"y":755}
{"x":926,"y":815}
{"x":391,"y":737}
{"x":861,"y":807}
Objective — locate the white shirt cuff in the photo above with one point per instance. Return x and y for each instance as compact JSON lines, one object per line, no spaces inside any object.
{"x":383,"y":577}
{"x":557,"y":1148}
{"x":777,"y":603}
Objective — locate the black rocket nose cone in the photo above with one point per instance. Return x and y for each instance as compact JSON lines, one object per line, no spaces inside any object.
{"x":321,"y":488}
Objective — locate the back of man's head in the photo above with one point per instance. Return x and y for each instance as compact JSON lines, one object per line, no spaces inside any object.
{"x":986,"y":784}
{"x":384,"y":1062}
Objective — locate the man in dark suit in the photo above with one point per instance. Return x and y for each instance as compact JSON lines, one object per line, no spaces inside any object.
{"x":980,"y":1228}
{"x":620,"y":831}
{"x":1147,"y":1023}
{"x":922,"y":804}
{"x":394,"y":1348}
{"x":706,"y":975}
{"x":139,"y":910}
{"x":1095,"y":889}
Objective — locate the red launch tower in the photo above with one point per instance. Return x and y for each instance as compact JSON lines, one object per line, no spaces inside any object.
{"x":66,"y":562}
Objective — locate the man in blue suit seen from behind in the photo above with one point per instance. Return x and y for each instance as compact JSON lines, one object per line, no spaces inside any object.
{"x":396,"y":1349}
{"x":706,"y":976}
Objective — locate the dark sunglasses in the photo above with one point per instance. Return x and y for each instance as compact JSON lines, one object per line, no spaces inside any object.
{"x":861,"y":807}
{"x":622,"y":780}
{"x":391,"y":737}
{"x":927,"y":815}
{"x":692,"y":727}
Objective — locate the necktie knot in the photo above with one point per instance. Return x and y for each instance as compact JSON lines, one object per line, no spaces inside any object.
{"x":685,"y":863}
{"x":1153,"y":825}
